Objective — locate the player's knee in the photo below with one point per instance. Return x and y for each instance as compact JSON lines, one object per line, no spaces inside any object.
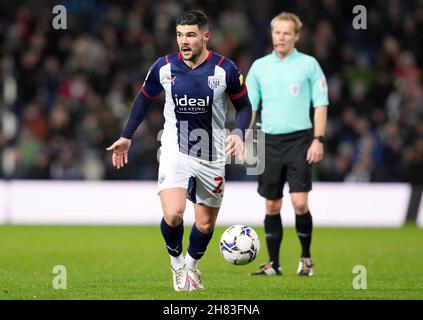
{"x":205,"y":227}
{"x":300,"y":206}
{"x":174,"y":217}
{"x":273,"y":206}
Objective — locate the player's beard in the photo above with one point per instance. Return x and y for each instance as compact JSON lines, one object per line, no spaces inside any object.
{"x":195,"y":54}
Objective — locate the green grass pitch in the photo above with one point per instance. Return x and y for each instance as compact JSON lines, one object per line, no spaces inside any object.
{"x":132,"y":263}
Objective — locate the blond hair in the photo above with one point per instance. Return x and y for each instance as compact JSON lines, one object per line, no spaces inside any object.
{"x":288,"y":17}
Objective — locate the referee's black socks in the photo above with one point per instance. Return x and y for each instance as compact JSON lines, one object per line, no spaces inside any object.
{"x":274,"y":233}
{"x":304,"y":226}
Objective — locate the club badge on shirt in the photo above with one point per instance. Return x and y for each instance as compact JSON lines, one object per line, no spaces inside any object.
{"x":213,"y":82}
{"x":294,"y":90}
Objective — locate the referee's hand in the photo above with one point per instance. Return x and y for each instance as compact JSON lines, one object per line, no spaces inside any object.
{"x":234,"y":146}
{"x":120,"y":150}
{"x":315,"y":152}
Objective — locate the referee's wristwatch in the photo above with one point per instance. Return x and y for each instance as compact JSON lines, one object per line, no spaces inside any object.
{"x":321,"y":139}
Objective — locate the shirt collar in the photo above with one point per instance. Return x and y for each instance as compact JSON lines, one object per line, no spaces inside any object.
{"x":293,"y":53}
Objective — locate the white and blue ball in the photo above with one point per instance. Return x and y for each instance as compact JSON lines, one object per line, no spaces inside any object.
{"x":239,"y":244}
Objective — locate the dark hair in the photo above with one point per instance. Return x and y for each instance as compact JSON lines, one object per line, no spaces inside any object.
{"x":193,"y":17}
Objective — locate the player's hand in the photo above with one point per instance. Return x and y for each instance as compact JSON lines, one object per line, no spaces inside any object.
{"x":235,"y":146}
{"x":120,"y":150}
{"x":315,"y":152}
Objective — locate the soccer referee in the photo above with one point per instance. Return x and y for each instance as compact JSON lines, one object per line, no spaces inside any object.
{"x":287,"y":83}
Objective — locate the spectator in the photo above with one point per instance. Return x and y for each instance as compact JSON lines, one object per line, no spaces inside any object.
{"x":66,"y":93}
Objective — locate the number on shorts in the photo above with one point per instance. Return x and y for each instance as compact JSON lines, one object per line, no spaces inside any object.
{"x":218,"y":187}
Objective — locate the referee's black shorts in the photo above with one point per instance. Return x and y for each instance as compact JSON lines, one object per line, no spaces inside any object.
{"x":285,"y":160}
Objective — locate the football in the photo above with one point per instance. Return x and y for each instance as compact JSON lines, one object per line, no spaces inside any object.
{"x":239,"y":244}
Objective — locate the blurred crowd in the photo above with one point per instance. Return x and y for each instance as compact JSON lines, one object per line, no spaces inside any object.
{"x":65,"y":94}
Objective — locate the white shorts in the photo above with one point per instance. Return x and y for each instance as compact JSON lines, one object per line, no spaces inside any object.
{"x":204,"y":180}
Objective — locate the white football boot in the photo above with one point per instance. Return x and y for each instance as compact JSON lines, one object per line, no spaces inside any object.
{"x":305,"y":267}
{"x":194,"y":278}
{"x":180,"y":279}
{"x":267,"y":269}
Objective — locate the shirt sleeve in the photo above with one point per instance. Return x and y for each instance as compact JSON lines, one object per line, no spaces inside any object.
{"x":235,"y":85}
{"x":140,"y":107}
{"x":150,"y":90}
{"x":318,"y":85}
{"x":152,"y":86}
{"x":237,"y":91}
{"x":254,"y":90}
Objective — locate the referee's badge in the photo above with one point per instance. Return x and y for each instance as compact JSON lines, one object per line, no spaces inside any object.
{"x":294,"y":90}
{"x":323,"y":84}
{"x":213,"y":82}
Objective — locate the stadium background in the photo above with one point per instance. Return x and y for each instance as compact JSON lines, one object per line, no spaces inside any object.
{"x":65,"y":95}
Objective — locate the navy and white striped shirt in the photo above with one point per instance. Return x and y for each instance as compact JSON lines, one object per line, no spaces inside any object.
{"x":196,"y":103}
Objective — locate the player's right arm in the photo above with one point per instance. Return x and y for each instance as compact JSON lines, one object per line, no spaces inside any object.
{"x":254,"y":93}
{"x":149,"y":91}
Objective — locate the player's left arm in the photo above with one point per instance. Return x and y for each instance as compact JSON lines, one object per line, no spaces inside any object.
{"x":237,"y":91}
{"x":319,"y":96}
